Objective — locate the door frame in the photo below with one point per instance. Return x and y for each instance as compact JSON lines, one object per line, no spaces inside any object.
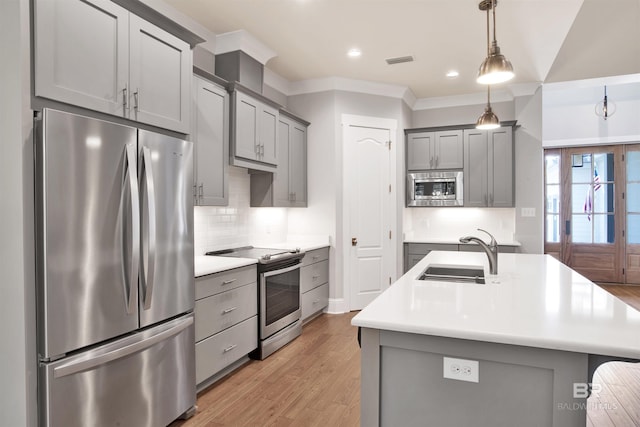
{"x":344,"y":232}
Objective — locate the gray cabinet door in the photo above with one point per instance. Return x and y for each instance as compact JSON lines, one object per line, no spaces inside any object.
{"x":268,"y":134}
{"x":448,"y":149}
{"x":475,"y":168}
{"x":93,"y":73}
{"x":246,"y":117}
{"x":488,"y":167}
{"x":281,"y":192}
{"x":500,"y":174}
{"x":298,"y":165}
{"x":210,"y":135}
{"x":419,"y":156}
{"x":159,"y":77}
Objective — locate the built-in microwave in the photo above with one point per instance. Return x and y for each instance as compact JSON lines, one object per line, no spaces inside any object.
{"x":434,"y":188}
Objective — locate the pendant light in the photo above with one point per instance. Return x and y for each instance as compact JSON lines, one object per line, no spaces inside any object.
{"x":488,"y":120}
{"x":495,"y":68}
{"x":605,"y":108}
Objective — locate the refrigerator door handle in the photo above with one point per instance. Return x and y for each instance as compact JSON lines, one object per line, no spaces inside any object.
{"x":148,"y":275}
{"x":130,"y":177}
{"x":91,"y":362}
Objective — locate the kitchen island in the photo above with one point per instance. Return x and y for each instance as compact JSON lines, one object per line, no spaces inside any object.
{"x":521,"y":348}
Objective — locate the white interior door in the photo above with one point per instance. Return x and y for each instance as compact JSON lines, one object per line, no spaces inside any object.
{"x":369,"y":207}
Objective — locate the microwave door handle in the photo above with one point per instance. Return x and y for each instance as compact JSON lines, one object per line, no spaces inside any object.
{"x":131,"y":280}
{"x":149,"y":275}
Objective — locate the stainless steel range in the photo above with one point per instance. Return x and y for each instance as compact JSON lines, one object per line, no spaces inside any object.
{"x":278,"y":295}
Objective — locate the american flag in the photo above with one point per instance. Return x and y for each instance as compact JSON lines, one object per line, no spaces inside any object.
{"x":588,"y":205}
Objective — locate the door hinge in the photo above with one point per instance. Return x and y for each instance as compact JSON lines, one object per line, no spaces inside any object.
{"x":389,"y":234}
{"x":389,"y":279}
{"x":623,"y":271}
{"x":389,"y":144}
{"x":389,"y":188}
{"x":623,"y":157}
{"x":623,"y":195}
{"x":622,"y":233}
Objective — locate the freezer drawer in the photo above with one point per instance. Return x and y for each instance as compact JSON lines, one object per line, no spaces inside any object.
{"x":145,"y":379}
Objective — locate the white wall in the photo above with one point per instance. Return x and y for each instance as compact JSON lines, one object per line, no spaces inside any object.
{"x":17,"y":289}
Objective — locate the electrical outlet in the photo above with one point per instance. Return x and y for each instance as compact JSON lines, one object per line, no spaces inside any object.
{"x":461,"y":369}
{"x":528,"y":212}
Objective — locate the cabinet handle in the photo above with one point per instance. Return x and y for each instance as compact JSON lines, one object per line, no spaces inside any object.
{"x":491,"y":199}
{"x":195,"y":193}
{"x":314,"y":277}
{"x":316,"y":257}
{"x":124,"y":100}
{"x":229,"y":310}
{"x":228,"y":349}
{"x":226,"y":282}
{"x":262,"y":149}
{"x":431,"y":162}
{"x":316,"y":302}
{"x":437,"y":161}
{"x":201,"y":191}
{"x":135,"y":101}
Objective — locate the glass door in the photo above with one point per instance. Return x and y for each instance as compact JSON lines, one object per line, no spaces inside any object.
{"x":633,"y":214}
{"x":553,"y":226}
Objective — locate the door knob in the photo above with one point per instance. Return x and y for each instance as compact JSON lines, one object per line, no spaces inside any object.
{"x":354,"y":241}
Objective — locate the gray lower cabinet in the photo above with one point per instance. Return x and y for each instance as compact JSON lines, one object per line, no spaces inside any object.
{"x":414,"y":252}
{"x":210,"y":136}
{"x":96,"y":55}
{"x":314,"y":282}
{"x":287,"y":186}
{"x":226,"y":322}
{"x":488,"y":168}
{"x":254,"y":130}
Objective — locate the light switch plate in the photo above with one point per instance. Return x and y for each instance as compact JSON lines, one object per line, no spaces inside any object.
{"x":461,"y":369}
{"x":528,"y":212}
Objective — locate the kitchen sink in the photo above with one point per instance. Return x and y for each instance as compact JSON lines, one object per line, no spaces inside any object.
{"x":453,"y":273}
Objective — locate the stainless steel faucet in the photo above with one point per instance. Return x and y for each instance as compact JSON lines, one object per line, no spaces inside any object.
{"x":491,"y":249}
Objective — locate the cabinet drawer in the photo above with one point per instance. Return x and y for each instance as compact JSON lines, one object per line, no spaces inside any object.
{"x":315,"y":255}
{"x":225,"y":280}
{"x":315,"y":300}
{"x":311,"y":276}
{"x":220,"y":311}
{"x":221,"y":350}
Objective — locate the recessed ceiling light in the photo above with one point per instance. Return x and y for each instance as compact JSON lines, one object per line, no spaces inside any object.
{"x":453,"y":73}
{"x":354,"y":53}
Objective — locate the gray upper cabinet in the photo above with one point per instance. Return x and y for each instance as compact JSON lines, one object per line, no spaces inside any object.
{"x":97,"y":55}
{"x":210,"y":135}
{"x":435,"y":150}
{"x":488,"y":168}
{"x":287,"y":186}
{"x":254,"y":124}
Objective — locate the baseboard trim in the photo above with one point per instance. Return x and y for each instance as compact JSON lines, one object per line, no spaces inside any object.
{"x":337,"y":306}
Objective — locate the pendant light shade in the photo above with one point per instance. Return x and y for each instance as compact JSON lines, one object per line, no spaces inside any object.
{"x":605,"y":108}
{"x":496,"y":68}
{"x":488,"y":119}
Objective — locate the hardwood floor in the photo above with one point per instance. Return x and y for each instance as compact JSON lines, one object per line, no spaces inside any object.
{"x":315,"y":381}
{"x":627,"y":293}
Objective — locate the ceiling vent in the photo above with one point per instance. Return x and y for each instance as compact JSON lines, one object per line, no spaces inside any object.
{"x":399,"y":60}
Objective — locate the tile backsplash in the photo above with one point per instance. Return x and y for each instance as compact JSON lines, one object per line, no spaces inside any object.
{"x":237,"y":224}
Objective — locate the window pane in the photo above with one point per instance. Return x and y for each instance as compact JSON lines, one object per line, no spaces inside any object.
{"x":633,"y":229}
{"x":553,"y":199}
{"x":603,"y":196}
{"x":553,"y":228}
{"x":633,"y":197}
{"x":581,"y":229}
{"x":603,"y":166}
{"x":633,"y":166}
{"x":552,"y":169}
{"x":581,"y":200}
{"x":603,"y":228}
{"x":582,"y":173}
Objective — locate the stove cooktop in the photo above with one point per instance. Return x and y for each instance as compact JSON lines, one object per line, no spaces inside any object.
{"x":263,"y":255}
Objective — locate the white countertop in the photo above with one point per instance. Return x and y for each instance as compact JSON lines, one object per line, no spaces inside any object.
{"x":535,"y":301}
{"x":453,"y":241}
{"x":305,"y":245}
{"x":206,"y":264}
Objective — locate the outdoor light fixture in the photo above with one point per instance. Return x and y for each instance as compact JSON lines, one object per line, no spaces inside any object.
{"x":488,"y":120}
{"x":495,"y":68}
{"x":605,"y":108}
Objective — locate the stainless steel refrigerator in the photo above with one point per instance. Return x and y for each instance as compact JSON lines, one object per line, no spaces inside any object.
{"x":115,"y":273}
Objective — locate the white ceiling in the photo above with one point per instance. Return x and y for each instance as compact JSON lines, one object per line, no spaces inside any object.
{"x":546,"y":40}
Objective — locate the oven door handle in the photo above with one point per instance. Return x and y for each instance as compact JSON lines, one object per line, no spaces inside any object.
{"x":282,"y":270}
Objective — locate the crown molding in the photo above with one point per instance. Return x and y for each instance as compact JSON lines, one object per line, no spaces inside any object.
{"x":244,"y":41}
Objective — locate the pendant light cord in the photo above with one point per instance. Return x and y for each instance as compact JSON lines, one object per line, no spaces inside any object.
{"x":488,"y":37}
{"x":494,"y":3}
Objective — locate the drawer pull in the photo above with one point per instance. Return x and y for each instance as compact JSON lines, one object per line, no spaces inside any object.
{"x":316,"y":256}
{"x":228,"y":310}
{"x":228,"y":349}
{"x":316,"y":302}
{"x":315,"y":277}
{"x":227,"y":282}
